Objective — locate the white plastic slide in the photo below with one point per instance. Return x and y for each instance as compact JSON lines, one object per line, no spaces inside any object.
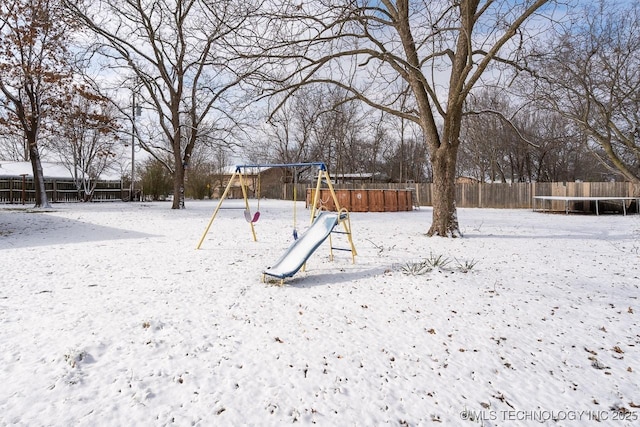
{"x":298,"y":253}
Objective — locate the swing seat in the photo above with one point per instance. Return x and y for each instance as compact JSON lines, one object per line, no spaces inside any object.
{"x":249,"y":218}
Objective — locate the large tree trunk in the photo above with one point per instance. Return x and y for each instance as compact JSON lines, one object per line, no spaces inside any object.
{"x":179,"y":168}
{"x":178,"y":185}
{"x":445,"y":216}
{"x":182,"y":166}
{"x":38,"y":177}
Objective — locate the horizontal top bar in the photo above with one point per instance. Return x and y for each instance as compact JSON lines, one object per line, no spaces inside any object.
{"x":584,"y":198}
{"x":321,"y":165}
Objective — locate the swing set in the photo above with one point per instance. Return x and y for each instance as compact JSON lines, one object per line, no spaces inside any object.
{"x":241,"y":175}
{"x":247,"y":211}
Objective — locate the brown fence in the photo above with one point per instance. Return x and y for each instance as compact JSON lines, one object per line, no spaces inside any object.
{"x":494,"y":195}
{"x":468,"y":195}
{"x":18,"y":190}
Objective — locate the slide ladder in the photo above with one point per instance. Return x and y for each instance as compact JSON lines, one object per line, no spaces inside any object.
{"x":343,"y":218}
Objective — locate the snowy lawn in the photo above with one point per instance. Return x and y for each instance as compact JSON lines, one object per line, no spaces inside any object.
{"x":109,"y":316}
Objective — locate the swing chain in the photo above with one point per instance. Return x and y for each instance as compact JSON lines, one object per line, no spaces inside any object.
{"x":295,"y":203}
{"x":247,"y":213}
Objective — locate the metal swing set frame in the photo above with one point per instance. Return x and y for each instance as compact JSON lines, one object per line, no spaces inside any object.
{"x":240,"y":174}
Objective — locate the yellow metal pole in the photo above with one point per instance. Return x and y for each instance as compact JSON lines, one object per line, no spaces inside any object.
{"x":346,"y":223}
{"x":243,"y":186}
{"x":314,"y":204}
{"x":215,"y":212}
{"x":332,"y":191}
{"x":316,"y":196}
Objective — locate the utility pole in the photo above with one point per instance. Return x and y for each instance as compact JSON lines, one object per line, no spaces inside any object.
{"x":135,"y":112}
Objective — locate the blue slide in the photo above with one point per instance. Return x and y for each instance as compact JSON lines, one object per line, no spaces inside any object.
{"x":298,"y":253}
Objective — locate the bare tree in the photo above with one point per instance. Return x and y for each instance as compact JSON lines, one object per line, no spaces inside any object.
{"x":406,"y":160}
{"x":591,"y":76}
{"x":317,"y":124}
{"x":509,"y":142}
{"x":86,"y":139}
{"x":155,"y":179}
{"x":371,"y":142}
{"x":220,"y":170}
{"x":181,"y":53}
{"x":336,"y":130}
{"x":437,"y":50}
{"x":410,"y":155}
{"x":209,"y":161}
{"x":35,"y":73}
{"x":486,"y":135}
{"x":12,"y":145}
{"x":289,"y":134}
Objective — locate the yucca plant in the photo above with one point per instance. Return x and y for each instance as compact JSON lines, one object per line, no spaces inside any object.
{"x":437,"y":261}
{"x":465,"y":266}
{"x":440,"y":262}
{"x":416,"y":268}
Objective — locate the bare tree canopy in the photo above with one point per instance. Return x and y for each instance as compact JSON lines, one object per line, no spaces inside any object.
{"x":86,"y":139}
{"x":508,"y":139}
{"x":181,"y":54}
{"x":589,"y":72}
{"x":383,"y":52}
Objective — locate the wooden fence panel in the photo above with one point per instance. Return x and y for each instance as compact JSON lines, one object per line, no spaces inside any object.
{"x":604,"y":189}
{"x":495,"y":195}
{"x":467,"y":195}
{"x":578,"y":189}
{"x":15,"y":190}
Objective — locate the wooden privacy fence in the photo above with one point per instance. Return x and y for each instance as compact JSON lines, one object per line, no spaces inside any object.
{"x":18,"y":190}
{"x":488,"y":195}
{"x":468,"y":195}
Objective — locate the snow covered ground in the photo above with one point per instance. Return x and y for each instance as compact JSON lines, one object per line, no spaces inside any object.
{"x":109,"y":316}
